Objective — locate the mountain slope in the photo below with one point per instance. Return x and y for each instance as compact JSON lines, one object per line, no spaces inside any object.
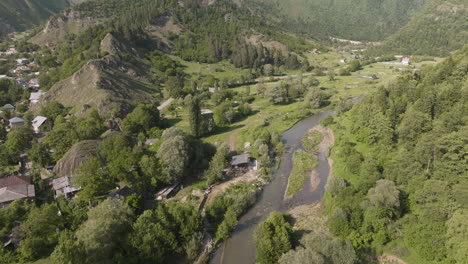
{"x":17,"y":15}
{"x":365,"y":20}
{"x":440,"y":29}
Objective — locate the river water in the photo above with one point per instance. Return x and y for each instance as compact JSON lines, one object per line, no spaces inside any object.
{"x":239,"y":248}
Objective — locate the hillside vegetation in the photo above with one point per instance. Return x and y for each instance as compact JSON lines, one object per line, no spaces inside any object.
{"x":365,"y":20}
{"x":401,"y":182}
{"x":438,"y":30}
{"x":17,"y":15}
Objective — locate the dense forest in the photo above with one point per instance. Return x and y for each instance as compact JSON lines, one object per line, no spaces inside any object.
{"x":400,"y":182}
{"x":364,"y":20}
{"x":438,"y":30}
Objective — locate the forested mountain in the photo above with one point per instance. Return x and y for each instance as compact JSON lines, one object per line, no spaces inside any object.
{"x":365,"y":20}
{"x":401,"y":181}
{"x":188,"y":29}
{"x":18,"y":15}
{"x":438,"y":30}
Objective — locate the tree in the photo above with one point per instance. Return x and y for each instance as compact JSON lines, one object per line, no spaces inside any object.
{"x":19,"y":139}
{"x":217,"y":164}
{"x":52,"y":109}
{"x":272,"y":238}
{"x":335,"y":185}
{"x":194,"y":113}
{"x":354,"y":65}
{"x":68,"y":250}
{"x":39,"y":154}
{"x":384,"y":195}
{"x":413,"y":124}
{"x":268,"y":69}
{"x":301,"y":255}
{"x":277,"y":94}
{"x":141,"y":119}
{"x":457,"y":232}
{"x":164,"y":231}
{"x":39,"y":232}
{"x":174,"y":155}
{"x":314,"y":97}
{"x":103,"y":234}
{"x":224,"y":114}
{"x":93,"y":179}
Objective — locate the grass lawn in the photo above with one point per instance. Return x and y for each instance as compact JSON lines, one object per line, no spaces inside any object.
{"x":302,"y":163}
{"x":311,"y":140}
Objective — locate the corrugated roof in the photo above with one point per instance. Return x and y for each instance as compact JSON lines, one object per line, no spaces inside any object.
{"x":36,"y":95}
{"x":16,"y":120}
{"x":61,"y":182}
{"x":240,"y":159}
{"x":38,"y":121}
{"x":15,"y":192}
{"x":14,"y":180}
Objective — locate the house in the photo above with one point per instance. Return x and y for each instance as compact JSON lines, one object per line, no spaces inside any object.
{"x":343,"y":60}
{"x":63,"y":186}
{"x":22,"y":69}
{"x":151,"y":141}
{"x":406,"y":60}
{"x":38,"y":122}
{"x":166,"y":192}
{"x":16,"y":122}
{"x":373,"y":77}
{"x":240,"y":160}
{"x":8,"y":107}
{"x":121,"y":193}
{"x":34,"y":98}
{"x":14,"y":188}
{"x":213,"y":89}
{"x":206,"y":112}
{"x":11,"y":51}
{"x":34,"y":83}
{"x":22,"y":61}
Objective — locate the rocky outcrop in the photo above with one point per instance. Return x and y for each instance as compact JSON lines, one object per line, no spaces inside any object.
{"x":59,"y":27}
{"x":110,"y":85}
{"x":113,"y":45}
{"x":75,"y":157}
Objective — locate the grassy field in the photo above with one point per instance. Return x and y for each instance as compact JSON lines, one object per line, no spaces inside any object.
{"x":303,"y":162}
{"x":282,"y":117}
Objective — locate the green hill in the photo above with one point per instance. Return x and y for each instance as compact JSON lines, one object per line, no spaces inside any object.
{"x":17,"y":15}
{"x":365,"y":20}
{"x":440,"y":29}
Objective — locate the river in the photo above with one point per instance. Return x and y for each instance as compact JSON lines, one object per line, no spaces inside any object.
{"x":239,"y":248}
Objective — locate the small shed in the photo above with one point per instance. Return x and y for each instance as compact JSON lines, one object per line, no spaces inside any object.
{"x":166,"y":192}
{"x":151,"y":141}
{"x":63,"y":186}
{"x":240,"y":160}
{"x":16,"y":122}
{"x":34,"y":98}
{"x":206,"y":112}
{"x":121,"y":193}
{"x":38,"y":122}
{"x":8,"y":107}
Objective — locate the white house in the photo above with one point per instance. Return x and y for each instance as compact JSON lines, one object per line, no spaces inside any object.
{"x":406,"y":60}
{"x":38,"y":122}
{"x":34,"y":98}
{"x":22,"y":61}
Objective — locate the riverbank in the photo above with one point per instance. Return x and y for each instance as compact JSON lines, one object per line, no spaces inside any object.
{"x":310,"y":182}
{"x":309,"y":217}
{"x":239,"y":248}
